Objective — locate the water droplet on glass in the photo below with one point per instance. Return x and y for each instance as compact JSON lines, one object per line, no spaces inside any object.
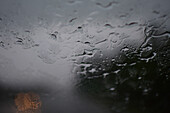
{"x":139,"y":78}
{"x":105,"y":74}
{"x":112,"y":89}
{"x":107,"y":5}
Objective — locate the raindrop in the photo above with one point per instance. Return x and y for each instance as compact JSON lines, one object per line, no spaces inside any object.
{"x":19,"y":40}
{"x":71,"y":1}
{"x":124,"y":15}
{"x":139,"y":78}
{"x":146,"y":52}
{"x":131,"y":23}
{"x":117,"y":71}
{"x":108,"y":5}
{"x":79,"y":27}
{"x":87,"y":43}
{"x":26,"y":42}
{"x":55,"y":35}
{"x":150,"y":58}
{"x":113,"y":60}
{"x":27,"y":31}
{"x":132,"y":64}
{"x":90,"y":36}
{"x":113,"y":33}
{"x":112,"y":89}
{"x":105,"y":74}
{"x":145,"y":90}
{"x":2,"y":44}
{"x":101,"y":41}
{"x":92,"y":70}
{"x":109,"y":26}
{"x":88,"y":52}
{"x":73,"y":19}
{"x":125,"y":49}
{"x":74,"y":2}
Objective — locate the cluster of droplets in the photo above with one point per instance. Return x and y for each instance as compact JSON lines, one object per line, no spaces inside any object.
{"x":133,"y":75}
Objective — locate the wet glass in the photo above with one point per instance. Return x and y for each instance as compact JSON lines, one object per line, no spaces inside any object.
{"x":88,"y":56}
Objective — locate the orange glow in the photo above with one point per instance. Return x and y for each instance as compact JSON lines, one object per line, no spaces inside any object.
{"x":27,"y":101}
